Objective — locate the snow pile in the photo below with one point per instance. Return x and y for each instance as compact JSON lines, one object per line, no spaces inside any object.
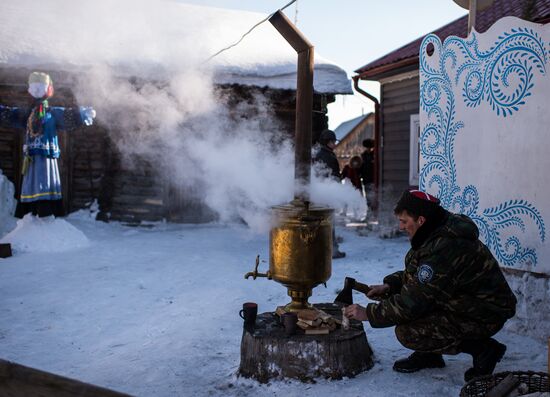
{"x":7,"y":205}
{"x":532,"y":314}
{"x":154,"y":38}
{"x":34,"y":234}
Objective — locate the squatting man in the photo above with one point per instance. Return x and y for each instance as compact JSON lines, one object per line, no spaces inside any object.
{"x":451,"y":297}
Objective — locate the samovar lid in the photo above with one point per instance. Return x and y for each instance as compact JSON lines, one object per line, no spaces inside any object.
{"x":300,"y":208}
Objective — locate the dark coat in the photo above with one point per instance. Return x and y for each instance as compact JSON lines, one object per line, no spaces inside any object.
{"x":367,"y":167}
{"x":328,"y":159}
{"x":354,"y":175}
{"x":447,"y":270}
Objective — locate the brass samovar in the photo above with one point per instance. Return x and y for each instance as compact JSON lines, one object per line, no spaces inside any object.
{"x":300,"y":250}
{"x":300,"y":242}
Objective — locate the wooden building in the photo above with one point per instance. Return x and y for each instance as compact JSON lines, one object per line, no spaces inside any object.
{"x":351,"y":135}
{"x":91,"y":164}
{"x":398,"y":75}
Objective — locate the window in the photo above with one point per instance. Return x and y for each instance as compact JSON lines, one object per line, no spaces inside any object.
{"x":414,"y":158}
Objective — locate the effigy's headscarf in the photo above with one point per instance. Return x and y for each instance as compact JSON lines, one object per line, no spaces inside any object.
{"x":37,"y":117}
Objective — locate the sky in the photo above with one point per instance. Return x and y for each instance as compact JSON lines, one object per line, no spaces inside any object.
{"x":352,"y":33}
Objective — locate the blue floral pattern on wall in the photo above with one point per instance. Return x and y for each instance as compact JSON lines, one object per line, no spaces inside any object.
{"x":481,"y":76}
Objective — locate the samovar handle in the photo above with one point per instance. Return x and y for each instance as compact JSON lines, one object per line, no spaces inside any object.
{"x":255,"y":273}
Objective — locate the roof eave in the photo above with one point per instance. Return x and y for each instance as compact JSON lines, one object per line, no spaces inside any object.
{"x":390,"y":69}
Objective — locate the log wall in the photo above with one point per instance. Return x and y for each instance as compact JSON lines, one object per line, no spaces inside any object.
{"x":92,"y":167}
{"x":83,"y":156}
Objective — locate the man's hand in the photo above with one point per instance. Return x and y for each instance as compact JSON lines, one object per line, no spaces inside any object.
{"x":356,"y":312}
{"x":378,"y":292}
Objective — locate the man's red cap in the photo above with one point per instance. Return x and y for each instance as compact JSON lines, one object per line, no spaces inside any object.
{"x":424,"y":196}
{"x":417,"y":202}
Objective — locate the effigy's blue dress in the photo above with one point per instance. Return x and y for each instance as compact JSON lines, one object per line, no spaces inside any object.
{"x":41,"y":180}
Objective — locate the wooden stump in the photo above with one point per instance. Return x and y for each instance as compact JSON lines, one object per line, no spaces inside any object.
{"x":267,"y":353}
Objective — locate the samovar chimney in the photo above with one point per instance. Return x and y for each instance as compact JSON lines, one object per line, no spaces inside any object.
{"x":304,"y":103}
{"x":300,"y":240}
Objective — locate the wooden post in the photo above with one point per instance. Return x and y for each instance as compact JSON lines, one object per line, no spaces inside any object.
{"x":267,"y":353}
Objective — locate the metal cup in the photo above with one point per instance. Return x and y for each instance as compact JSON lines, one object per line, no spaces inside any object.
{"x":248,"y":313}
{"x":290,"y":321}
{"x":5,"y":250}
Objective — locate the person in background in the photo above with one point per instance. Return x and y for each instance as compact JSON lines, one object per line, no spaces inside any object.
{"x":367,"y":173}
{"x":451,"y":297}
{"x":329,"y":169}
{"x":352,"y":172}
{"x":41,"y":192}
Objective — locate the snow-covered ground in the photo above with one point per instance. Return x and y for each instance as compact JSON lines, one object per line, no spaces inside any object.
{"x":154,"y":311}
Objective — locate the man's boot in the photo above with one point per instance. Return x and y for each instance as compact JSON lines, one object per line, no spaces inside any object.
{"x":417,"y":361}
{"x":486,"y":354}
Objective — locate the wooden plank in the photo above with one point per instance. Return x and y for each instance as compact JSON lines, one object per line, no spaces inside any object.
{"x":396,"y":182}
{"x":414,"y":79}
{"x":396,"y":86}
{"x":402,"y":122}
{"x":396,"y":166}
{"x":17,"y":380}
{"x":395,"y":175}
{"x":396,"y":144}
{"x":411,"y":91}
{"x":394,"y":133}
{"x":410,"y":108}
{"x":135,"y":218}
{"x":402,"y":100}
{"x":397,"y":153}
{"x":144,"y":201}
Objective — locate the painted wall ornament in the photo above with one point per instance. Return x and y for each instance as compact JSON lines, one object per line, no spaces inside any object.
{"x":484,"y":118}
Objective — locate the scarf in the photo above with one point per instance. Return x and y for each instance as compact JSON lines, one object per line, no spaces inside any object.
{"x":37,"y":119}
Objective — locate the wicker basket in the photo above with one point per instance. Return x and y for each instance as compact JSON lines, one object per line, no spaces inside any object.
{"x":478,"y":387}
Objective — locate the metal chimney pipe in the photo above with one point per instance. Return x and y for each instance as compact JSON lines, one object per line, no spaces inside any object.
{"x":472,"y":15}
{"x":304,"y":103}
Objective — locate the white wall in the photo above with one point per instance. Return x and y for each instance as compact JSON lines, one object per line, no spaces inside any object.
{"x":532,"y":314}
{"x":485,"y":138}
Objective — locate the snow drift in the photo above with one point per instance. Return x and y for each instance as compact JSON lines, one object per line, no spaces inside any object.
{"x":34,"y":234}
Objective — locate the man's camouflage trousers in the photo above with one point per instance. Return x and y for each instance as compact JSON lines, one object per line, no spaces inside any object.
{"x":442,"y":333}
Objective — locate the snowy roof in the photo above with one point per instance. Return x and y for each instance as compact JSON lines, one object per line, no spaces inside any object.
{"x":347,"y":126}
{"x":149,"y":38}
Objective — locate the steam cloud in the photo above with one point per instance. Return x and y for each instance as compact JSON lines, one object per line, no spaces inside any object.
{"x":240,"y":166}
{"x":171,"y":112}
